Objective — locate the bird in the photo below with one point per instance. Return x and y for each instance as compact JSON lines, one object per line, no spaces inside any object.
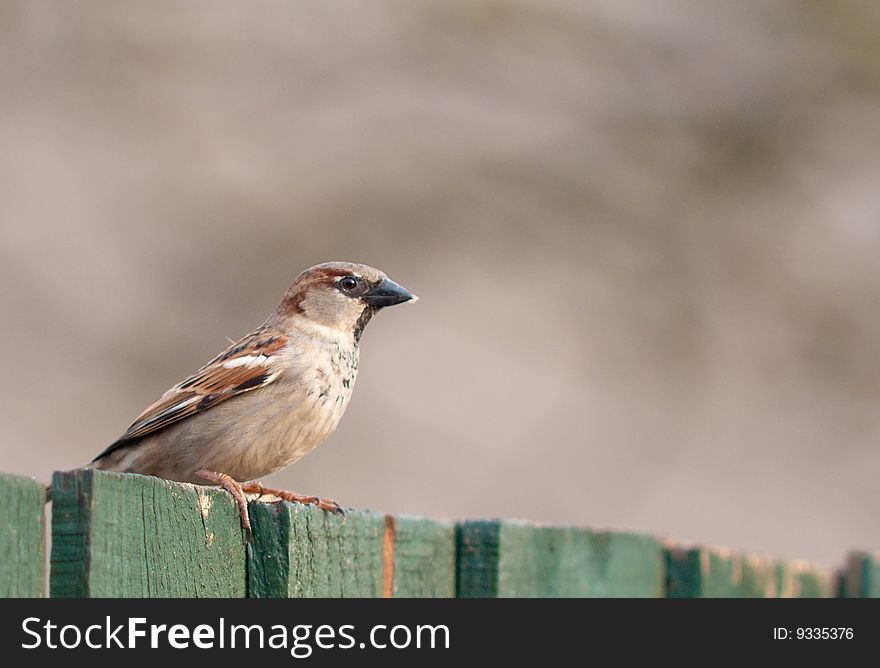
{"x":269,"y":398}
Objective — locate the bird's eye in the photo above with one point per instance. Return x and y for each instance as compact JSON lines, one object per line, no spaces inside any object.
{"x":348,"y":283}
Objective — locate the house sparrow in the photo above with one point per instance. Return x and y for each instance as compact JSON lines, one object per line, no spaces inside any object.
{"x":269,"y":398}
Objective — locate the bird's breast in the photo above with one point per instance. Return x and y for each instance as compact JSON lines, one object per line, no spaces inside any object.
{"x":285,"y":420}
{"x":316,"y":396}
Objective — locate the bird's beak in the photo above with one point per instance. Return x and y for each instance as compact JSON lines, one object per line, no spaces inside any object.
{"x":388,"y":293}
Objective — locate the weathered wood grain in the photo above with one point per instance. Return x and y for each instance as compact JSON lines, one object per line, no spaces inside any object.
{"x":505,"y":558}
{"x":300,"y":551}
{"x":127,"y":535}
{"x":424,"y":558}
{"x":705,"y":572}
{"x":124,"y":535}
{"x":22,"y":537}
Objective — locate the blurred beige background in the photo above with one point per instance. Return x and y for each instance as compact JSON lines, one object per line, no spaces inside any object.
{"x":645,"y":236}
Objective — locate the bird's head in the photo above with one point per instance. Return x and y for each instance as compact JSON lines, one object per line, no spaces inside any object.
{"x":341,"y":296}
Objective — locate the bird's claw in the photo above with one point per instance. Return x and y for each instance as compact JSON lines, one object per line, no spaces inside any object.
{"x":328,"y":505}
{"x":331,"y":506}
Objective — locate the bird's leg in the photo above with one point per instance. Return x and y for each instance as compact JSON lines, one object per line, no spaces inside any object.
{"x":235,"y":489}
{"x":256,"y":487}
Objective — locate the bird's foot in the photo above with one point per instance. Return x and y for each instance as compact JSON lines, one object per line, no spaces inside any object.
{"x":235,"y":489}
{"x":329,"y":505}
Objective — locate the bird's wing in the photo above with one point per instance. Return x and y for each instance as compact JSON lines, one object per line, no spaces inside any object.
{"x":247,"y":364}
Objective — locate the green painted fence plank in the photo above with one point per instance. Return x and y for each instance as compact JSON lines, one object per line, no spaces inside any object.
{"x":701,"y":572}
{"x":125,"y":535}
{"x":508,"y":558}
{"x":861,"y":576}
{"x":799,"y":579}
{"x":22,"y":537}
{"x":706,"y":572}
{"x":128,"y":535}
{"x":424,"y":558}
{"x":300,"y":551}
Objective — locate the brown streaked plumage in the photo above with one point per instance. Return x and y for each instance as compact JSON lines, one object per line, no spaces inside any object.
{"x":213,"y":383}
{"x":270,"y":397}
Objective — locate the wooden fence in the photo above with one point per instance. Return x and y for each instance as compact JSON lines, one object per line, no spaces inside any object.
{"x":127,"y":535}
